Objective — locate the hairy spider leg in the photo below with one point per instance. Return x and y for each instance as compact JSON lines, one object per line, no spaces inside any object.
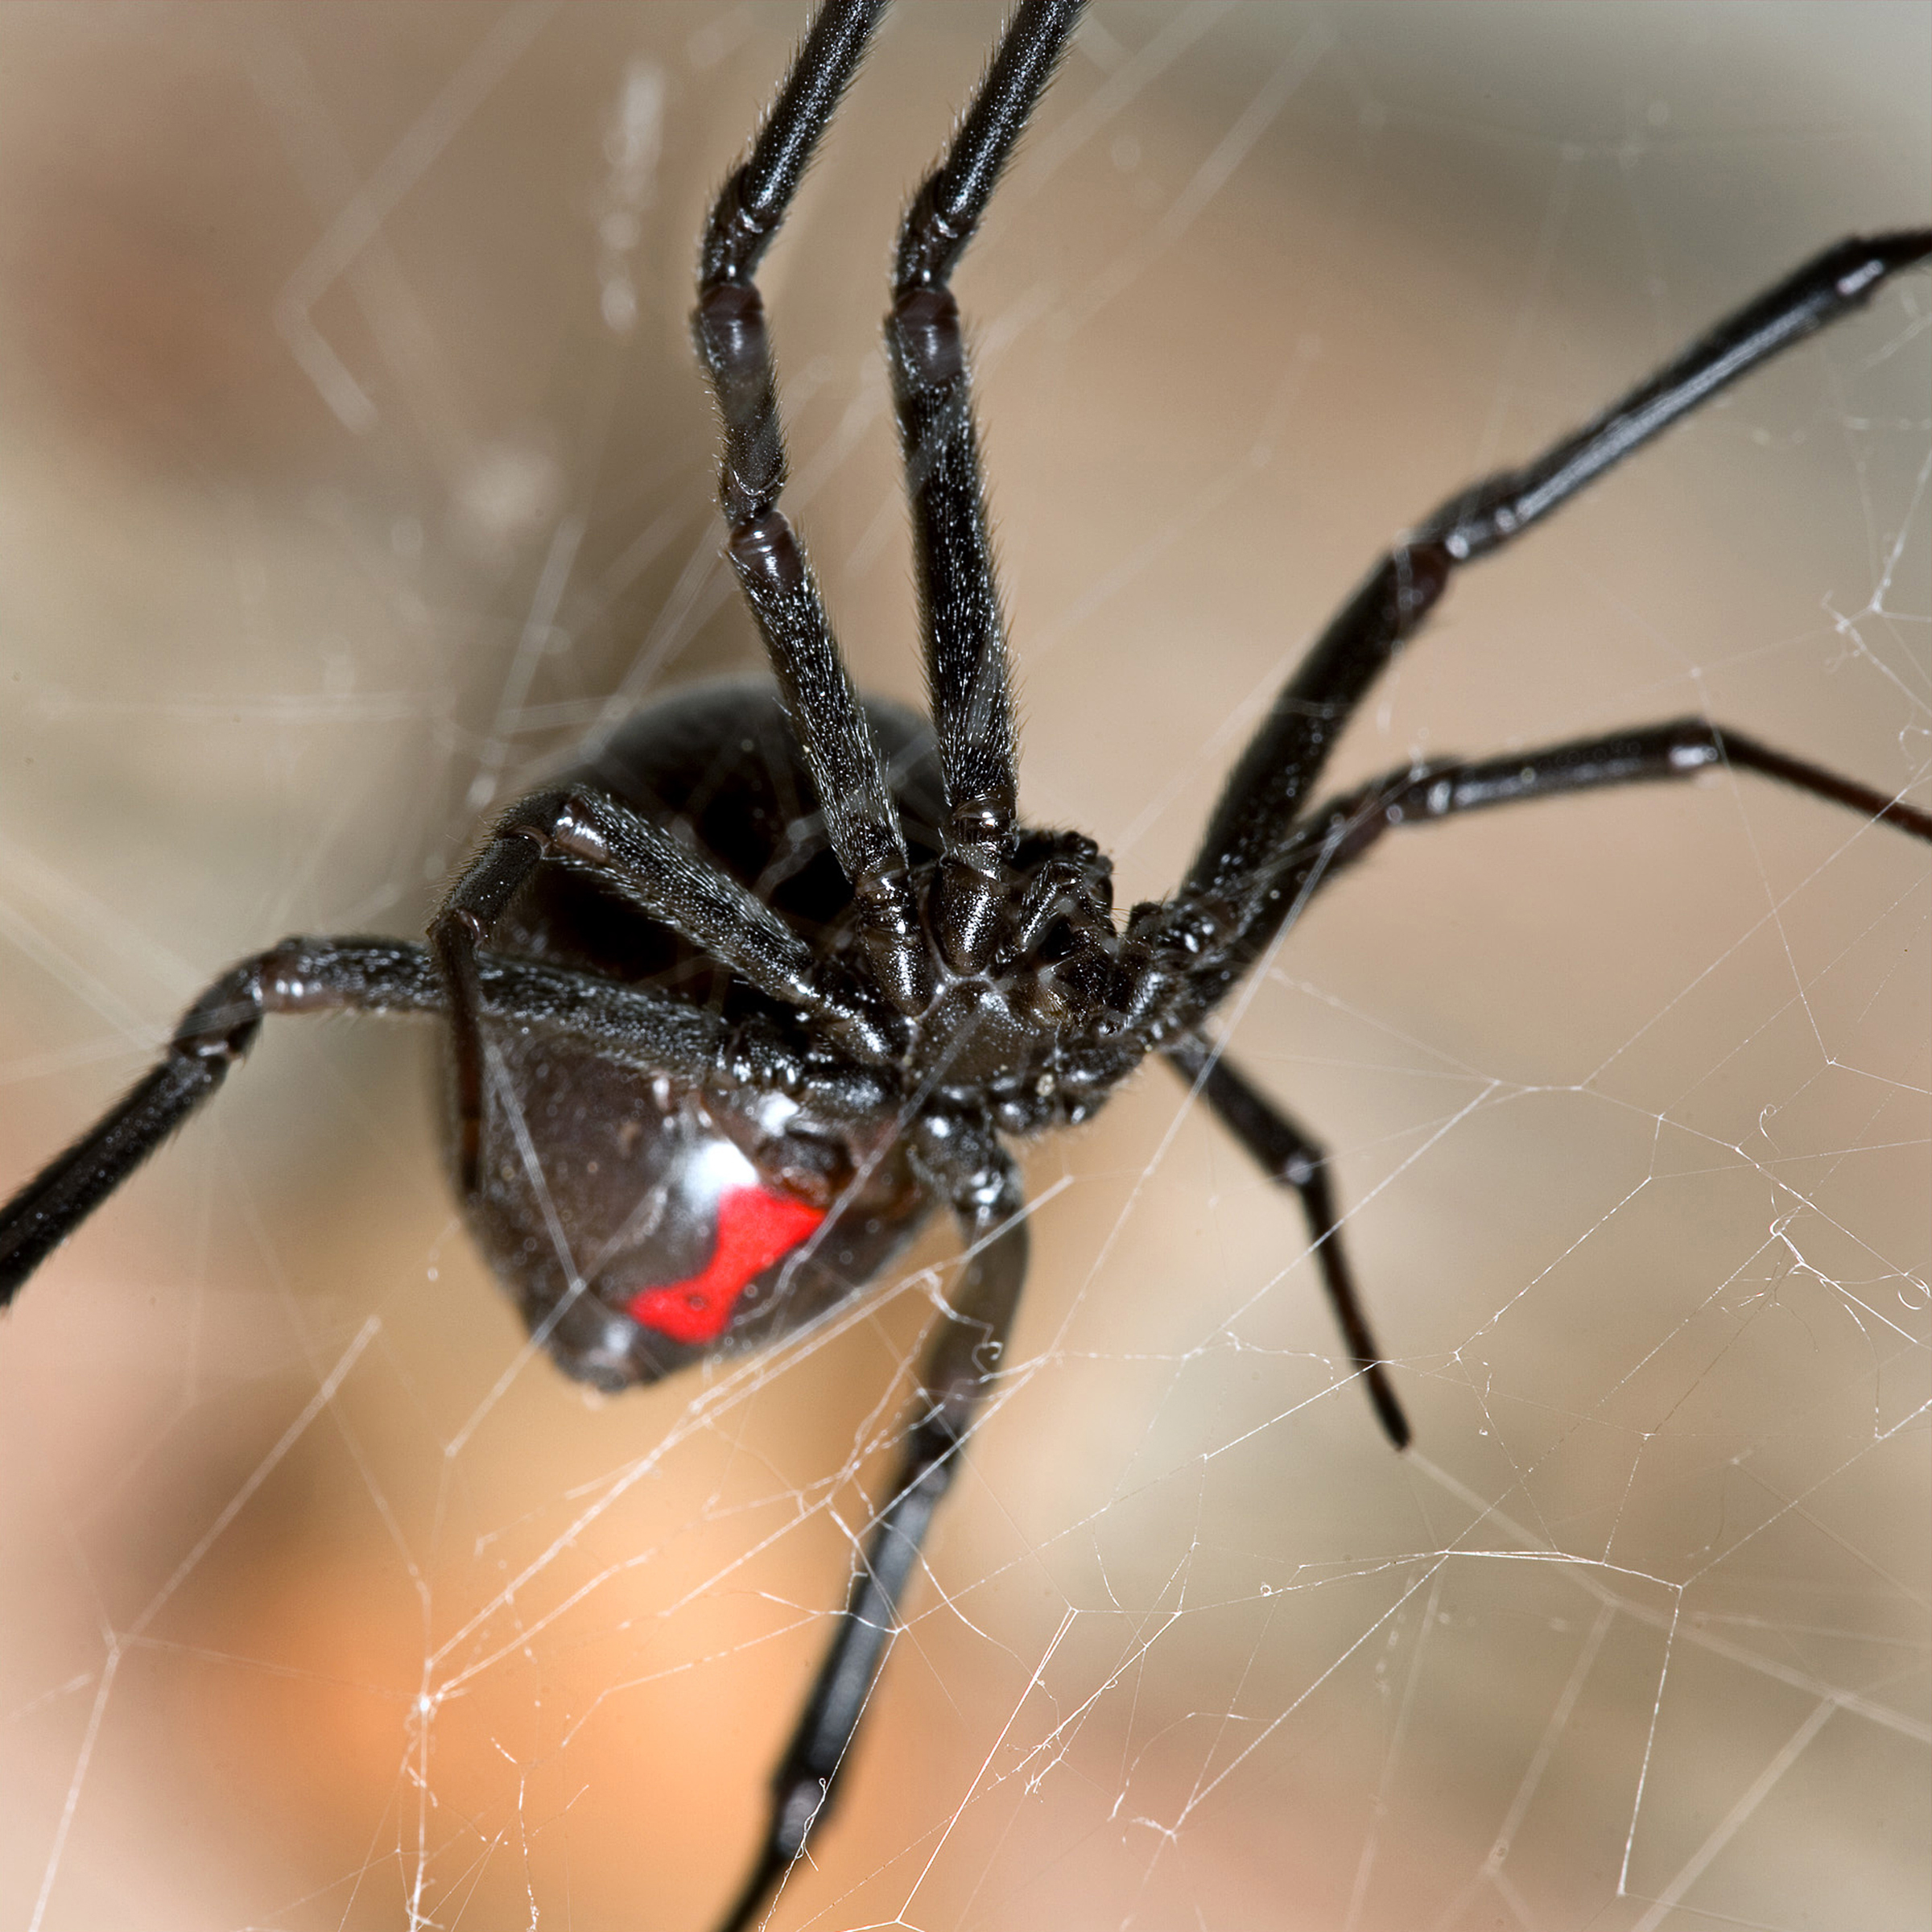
{"x":1288,"y":1154}
{"x":1340,"y":831}
{"x":967,"y":670}
{"x":1260,"y":859}
{"x":592,"y":833}
{"x":960,"y":1363}
{"x":330,"y":976}
{"x":1233,"y":901}
{"x":964,"y":631}
{"x":729,"y":328}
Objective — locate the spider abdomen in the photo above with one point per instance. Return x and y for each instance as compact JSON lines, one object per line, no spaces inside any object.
{"x":696,"y":1224}
{"x":699,"y":1219}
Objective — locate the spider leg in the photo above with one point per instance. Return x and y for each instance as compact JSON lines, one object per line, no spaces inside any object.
{"x":324,"y":975}
{"x":1228,"y":906}
{"x":966,"y":666}
{"x":696,"y":898}
{"x":960,"y":1365}
{"x":732,"y":344}
{"x":214,"y":1033}
{"x":1286,"y":1153}
{"x":1339,"y":831}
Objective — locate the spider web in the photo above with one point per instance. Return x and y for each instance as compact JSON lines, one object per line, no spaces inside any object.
{"x":355,"y":459}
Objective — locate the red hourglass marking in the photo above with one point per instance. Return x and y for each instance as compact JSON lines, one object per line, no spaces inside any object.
{"x":754,"y":1229}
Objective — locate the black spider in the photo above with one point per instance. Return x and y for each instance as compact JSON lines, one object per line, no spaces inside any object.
{"x":737,"y":1002}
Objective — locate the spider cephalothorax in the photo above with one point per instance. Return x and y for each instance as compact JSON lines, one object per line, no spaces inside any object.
{"x":769,"y":975}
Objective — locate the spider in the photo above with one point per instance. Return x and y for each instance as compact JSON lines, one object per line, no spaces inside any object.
{"x":771,"y":977}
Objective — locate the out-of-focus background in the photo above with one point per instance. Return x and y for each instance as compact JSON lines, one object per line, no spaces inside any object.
{"x":353,"y":460}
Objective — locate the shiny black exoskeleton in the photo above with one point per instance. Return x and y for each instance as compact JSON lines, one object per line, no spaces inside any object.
{"x":637,"y":1170}
{"x":772,"y":974}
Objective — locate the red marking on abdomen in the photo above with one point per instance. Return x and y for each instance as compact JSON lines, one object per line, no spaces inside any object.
{"x":754,"y":1229}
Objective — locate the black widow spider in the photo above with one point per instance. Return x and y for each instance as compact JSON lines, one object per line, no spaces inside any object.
{"x":787,"y":970}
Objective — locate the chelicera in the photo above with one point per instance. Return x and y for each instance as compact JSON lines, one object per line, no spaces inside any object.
{"x":776,"y":972}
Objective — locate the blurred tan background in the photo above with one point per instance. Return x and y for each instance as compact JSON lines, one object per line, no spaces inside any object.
{"x":353,"y":459}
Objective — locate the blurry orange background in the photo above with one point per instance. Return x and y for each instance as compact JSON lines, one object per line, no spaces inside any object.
{"x":354,"y":457}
